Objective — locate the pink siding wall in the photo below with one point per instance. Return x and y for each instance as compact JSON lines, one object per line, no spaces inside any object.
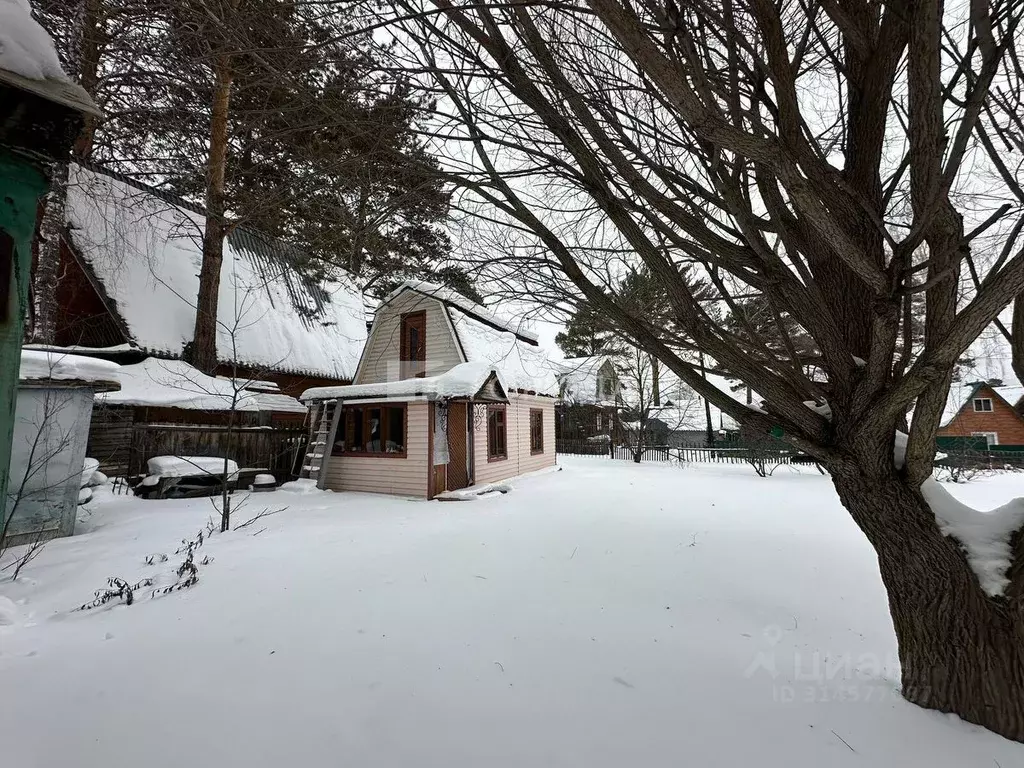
{"x":403,"y":477}
{"x":519,"y":458}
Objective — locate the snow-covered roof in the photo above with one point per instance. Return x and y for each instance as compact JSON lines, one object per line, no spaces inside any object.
{"x":523,"y":366}
{"x":456,"y":299}
{"x":686,"y":411}
{"x":174,"y":384}
{"x":28,"y":60}
{"x":578,"y":377}
{"x":40,"y":365}
{"x":25,"y":48}
{"x":268,"y":395}
{"x":144,"y":248}
{"x":463,"y":380}
{"x":961,"y":392}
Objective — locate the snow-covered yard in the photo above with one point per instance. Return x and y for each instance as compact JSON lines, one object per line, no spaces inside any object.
{"x":606,"y":615}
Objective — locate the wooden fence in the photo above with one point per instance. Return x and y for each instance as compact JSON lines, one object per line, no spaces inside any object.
{"x":651,"y":453}
{"x":583,"y":447}
{"x":731,"y":455}
{"x":275,"y":449}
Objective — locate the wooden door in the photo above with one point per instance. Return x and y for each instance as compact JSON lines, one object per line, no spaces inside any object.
{"x":458,"y":476}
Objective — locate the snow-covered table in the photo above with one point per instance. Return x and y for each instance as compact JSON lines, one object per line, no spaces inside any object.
{"x":185,"y":476}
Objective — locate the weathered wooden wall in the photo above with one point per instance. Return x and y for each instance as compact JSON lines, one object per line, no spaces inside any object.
{"x":122,"y":441}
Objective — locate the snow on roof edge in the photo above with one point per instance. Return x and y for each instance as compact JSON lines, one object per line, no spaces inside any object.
{"x":462,"y":380}
{"x":44,"y":365}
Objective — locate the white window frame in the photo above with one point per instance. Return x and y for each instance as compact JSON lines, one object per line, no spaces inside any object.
{"x":991,"y":438}
{"x":983,"y":409}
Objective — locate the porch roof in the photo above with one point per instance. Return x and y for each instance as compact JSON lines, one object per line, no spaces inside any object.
{"x":478,"y":381}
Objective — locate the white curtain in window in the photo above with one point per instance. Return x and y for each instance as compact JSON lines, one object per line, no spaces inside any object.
{"x":440,"y":434}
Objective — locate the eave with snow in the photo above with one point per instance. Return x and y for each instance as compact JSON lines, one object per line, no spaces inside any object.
{"x":448,"y":395}
{"x":474,"y":382}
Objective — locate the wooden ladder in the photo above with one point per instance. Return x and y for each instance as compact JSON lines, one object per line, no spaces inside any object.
{"x":322,"y":426}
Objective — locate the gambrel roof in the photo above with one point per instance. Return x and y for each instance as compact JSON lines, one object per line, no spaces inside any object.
{"x":484,"y":337}
{"x":962,"y":393}
{"x":452,"y":298}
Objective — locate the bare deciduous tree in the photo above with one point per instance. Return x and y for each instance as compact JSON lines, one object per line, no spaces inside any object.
{"x":826,"y":158}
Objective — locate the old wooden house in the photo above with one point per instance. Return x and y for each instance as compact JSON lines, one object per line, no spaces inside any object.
{"x":131,"y":257}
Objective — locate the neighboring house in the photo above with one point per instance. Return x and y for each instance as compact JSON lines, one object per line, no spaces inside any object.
{"x":131,"y":262}
{"x":985,"y":410}
{"x":590,"y":396}
{"x":447,"y":395}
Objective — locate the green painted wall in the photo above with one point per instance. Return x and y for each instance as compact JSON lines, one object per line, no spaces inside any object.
{"x":22,"y":184}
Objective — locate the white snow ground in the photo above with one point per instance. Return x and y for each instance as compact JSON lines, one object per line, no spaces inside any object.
{"x":606,"y":615}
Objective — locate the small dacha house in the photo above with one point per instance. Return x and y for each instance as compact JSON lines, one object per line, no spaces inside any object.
{"x":446,"y":396}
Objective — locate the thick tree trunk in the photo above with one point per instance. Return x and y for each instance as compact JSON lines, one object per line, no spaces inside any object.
{"x":202,"y":352}
{"x":960,"y":650}
{"x":1017,"y":338}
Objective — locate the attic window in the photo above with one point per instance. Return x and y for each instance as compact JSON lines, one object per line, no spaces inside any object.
{"x":414,"y":344}
{"x":983,"y":404}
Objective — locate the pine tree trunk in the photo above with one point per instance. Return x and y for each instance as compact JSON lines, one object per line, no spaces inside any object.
{"x":960,"y":650}
{"x":202,"y":353}
{"x":89,"y":71}
{"x":42,"y":329}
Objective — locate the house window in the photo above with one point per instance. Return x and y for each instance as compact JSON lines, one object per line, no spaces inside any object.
{"x":607,"y":387}
{"x":983,"y":404}
{"x":414,"y":344}
{"x":991,"y":438}
{"x":374,"y":430}
{"x":496,"y":444}
{"x":536,"y":430}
